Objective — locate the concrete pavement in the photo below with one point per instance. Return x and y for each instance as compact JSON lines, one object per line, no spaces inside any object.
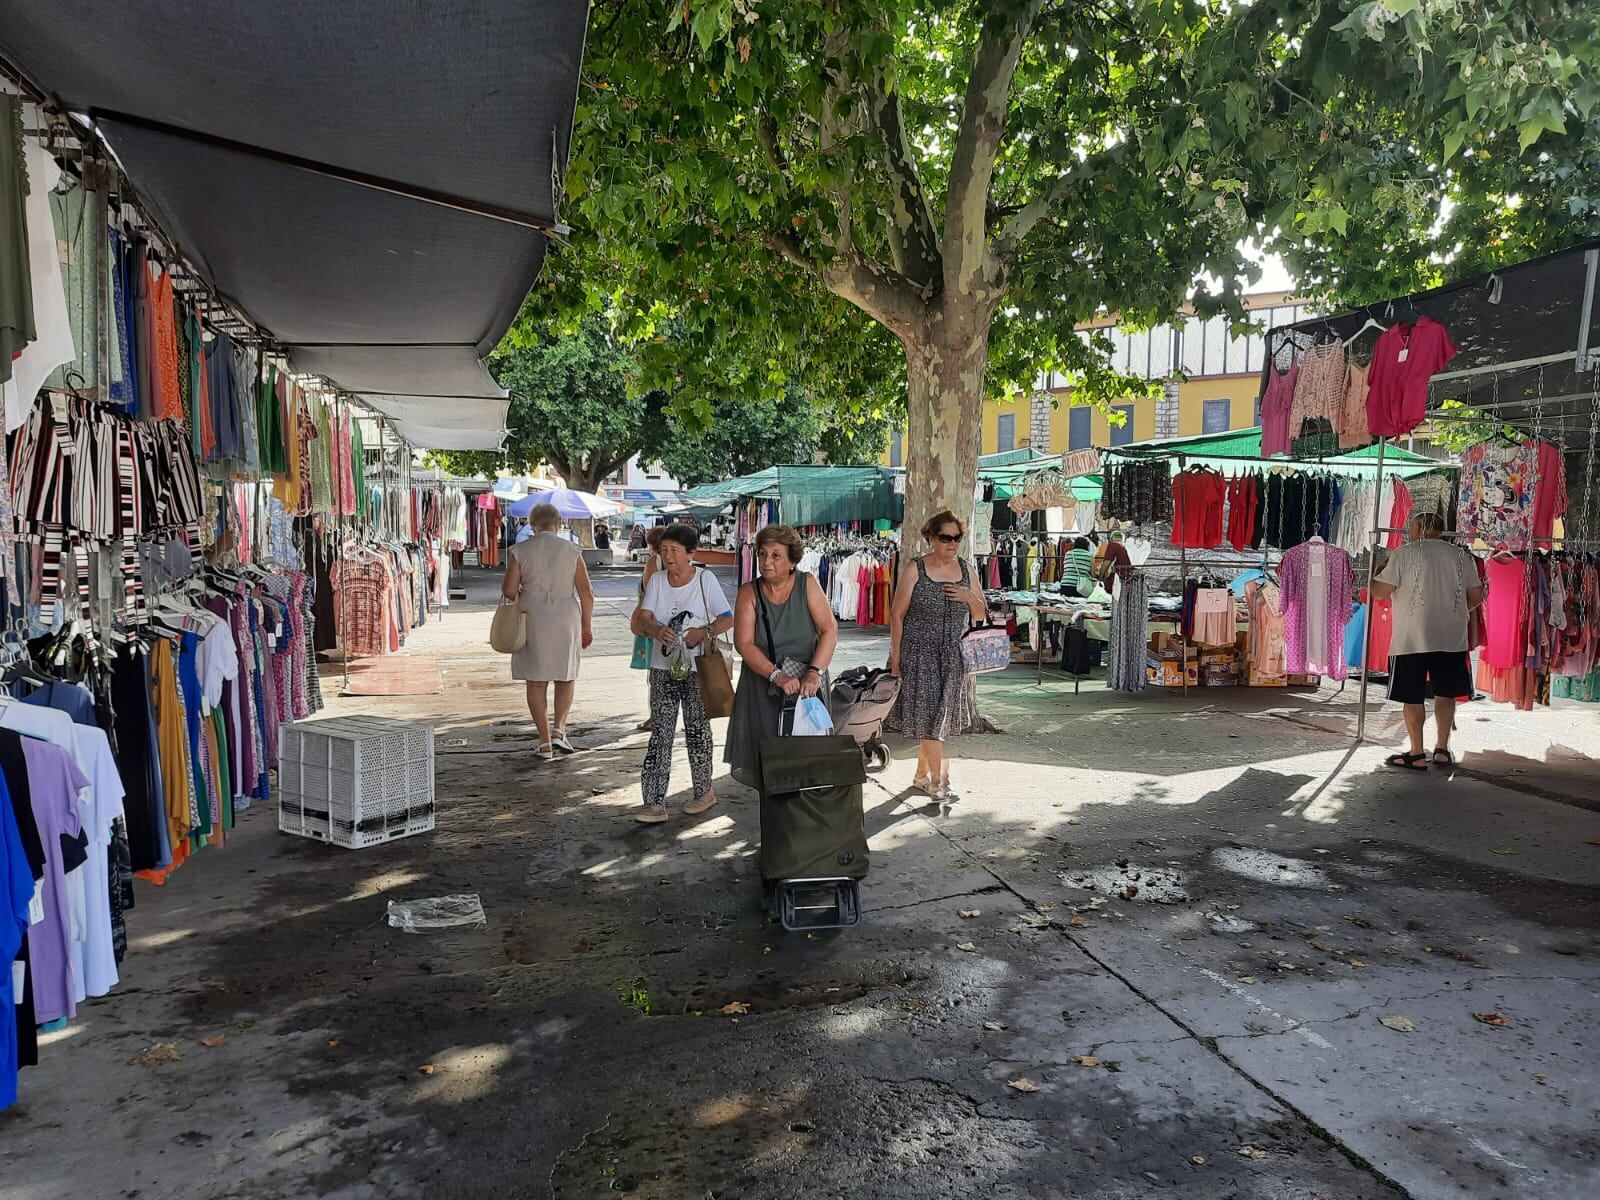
{"x":1188,"y":946}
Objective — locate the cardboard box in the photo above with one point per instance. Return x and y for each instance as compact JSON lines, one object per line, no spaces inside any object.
{"x":1169,"y":648}
{"x":1219,"y":676}
{"x":1162,"y":673}
{"x":1304,"y":681}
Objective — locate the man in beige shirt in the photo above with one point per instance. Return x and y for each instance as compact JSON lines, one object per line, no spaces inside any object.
{"x":1434,"y":588}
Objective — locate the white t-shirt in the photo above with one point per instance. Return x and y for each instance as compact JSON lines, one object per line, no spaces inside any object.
{"x":702,"y":599}
{"x":1430,"y":606}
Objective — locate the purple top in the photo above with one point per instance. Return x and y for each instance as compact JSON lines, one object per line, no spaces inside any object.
{"x":54,"y":781}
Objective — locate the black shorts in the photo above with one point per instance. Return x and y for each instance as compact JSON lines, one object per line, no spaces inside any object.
{"x":1449,"y":671}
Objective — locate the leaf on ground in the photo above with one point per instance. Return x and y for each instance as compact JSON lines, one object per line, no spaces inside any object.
{"x":1247,"y":979}
{"x":427,"y":1069}
{"x":1086,"y":1060}
{"x":1198,"y":1160}
{"x":214,"y":1039}
{"x":1356,"y":962}
{"x":1253,"y":1153}
{"x":1501,"y":850}
{"x":735,"y":1008}
{"x":333,"y":1044}
{"x":993,"y":1026}
{"x":1397,"y":1023}
{"x":1492,"y":1018}
{"x":1023,"y":1085}
{"x":960,"y":862}
{"x":967,"y":946}
{"x":161,"y":1052}
{"x":1078,"y":923}
{"x":969,"y":913}
{"x":1593,"y":842}
{"x":1034,"y":919}
{"x":1315,"y":945}
{"x":1047,"y":908}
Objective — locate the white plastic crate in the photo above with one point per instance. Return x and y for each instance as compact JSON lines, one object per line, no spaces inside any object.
{"x":355,"y":781}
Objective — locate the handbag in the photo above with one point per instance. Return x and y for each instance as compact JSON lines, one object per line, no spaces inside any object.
{"x":643,"y":651}
{"x":985,"y":648}
{"x":1102,"y":566}
{"x":508,"y":630}
{"x":712,"y":669}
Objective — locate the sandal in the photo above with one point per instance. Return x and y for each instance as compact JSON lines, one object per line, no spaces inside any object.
{"x":923,"y":784}
{"x":700,"y":804}
{"x":1407,"y":762}
{"x":653,"y":814}
{"x":546,"y":752}
{"x":1449,"y":760}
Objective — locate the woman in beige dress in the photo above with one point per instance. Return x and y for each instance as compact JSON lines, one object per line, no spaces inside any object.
{"x":545,"y":575}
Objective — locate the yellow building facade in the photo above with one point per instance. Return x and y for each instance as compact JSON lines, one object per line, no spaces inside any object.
{"x":1207,"y":380}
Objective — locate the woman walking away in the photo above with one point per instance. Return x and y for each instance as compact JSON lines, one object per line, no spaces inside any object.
{"x":785,"y":634}
{"x":547,"y":579}
{"x":683,"y":608}
{"x":652,"y":564}
{"x":933,"y":601}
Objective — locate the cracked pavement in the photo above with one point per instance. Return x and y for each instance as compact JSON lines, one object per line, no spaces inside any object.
{"x":1201,"y":1022}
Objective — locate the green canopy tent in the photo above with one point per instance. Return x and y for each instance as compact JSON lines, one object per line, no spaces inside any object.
{"x":1242,"y":447}
{"x":808,"y":495}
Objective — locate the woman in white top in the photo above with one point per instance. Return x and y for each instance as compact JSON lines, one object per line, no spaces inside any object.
{"x":682,"y":604}
{"x":547,"y":579}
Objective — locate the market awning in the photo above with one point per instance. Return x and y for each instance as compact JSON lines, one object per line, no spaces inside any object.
{"x":808,"y":495}
{"x":369,"y":183}
{"x":1242,"y":447}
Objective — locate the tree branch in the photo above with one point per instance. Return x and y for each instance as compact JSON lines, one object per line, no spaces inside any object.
{"x":1010,"y":237}
{"x":983,"y":119}
{"x":914,"y":239}
{"x":884,"y":294}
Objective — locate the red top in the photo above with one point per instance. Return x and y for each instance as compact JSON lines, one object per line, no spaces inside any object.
{"x":1197,"y":498}
{"x":1405,"y":358}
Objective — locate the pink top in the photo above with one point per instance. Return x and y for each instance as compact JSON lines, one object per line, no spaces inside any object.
{"x":1405,"y":358}
{"x":1275,"y":406}
{"x":1315,"y":594}
{"x":1503,"y":613}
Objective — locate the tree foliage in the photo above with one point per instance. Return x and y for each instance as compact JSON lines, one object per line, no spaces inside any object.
{"x":576,"y":404}
{"x":976,"y":178}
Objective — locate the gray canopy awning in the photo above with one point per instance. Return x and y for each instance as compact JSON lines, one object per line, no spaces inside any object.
{"x":366,"y":181}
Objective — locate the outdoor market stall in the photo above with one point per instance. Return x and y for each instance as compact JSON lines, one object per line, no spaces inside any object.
{"x":1506,"y":361}
{"x":205,"y":283}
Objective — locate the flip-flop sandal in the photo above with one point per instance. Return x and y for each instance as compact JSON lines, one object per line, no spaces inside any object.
{"x":1407,"y":762}
{"x":1449,"y":759}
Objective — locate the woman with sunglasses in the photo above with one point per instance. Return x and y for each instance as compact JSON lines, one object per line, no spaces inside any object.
{"x":785,"y":634}
{"x":936,"y":597}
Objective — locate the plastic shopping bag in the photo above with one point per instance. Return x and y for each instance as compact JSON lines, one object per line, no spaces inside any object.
{"x":811,"y":718}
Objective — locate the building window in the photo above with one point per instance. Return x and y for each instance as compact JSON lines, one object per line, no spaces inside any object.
{"x":1006,"y":432}
{"x":1080,"y":427}
{"x":1257,"y":419}
{"x":1122,"y":434}
{"x":1215,"y":419}
{"x":896,"y":449}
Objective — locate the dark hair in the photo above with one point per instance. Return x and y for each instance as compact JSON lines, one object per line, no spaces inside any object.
{"x":782,"y":535}
{"x":685,"y":535}
{"x":653,"y":538}
{"x":1080,"y":543}
{"x":939,"y":520}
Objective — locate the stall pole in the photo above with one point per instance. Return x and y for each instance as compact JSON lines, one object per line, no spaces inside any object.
{"x":1378,"y":523}
{"x":1183,"y":590}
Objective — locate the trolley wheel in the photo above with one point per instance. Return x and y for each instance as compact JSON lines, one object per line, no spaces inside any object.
{"x":877,"y":756}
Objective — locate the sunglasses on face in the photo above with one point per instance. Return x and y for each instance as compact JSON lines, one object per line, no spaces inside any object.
{"x":949,"y":539}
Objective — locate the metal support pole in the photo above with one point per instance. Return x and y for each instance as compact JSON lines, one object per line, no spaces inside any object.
{"x":1378,"y":523}
{"x":1183,"y":591}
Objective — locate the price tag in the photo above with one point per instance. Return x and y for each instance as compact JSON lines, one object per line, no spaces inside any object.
{"x":1318,"y":567}
{"x":36,"y":905}
{"x":19,"y":977}
{"x":1405,"y":353}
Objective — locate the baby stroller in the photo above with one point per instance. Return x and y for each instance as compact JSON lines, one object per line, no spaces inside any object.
{"x":860,"y":700}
